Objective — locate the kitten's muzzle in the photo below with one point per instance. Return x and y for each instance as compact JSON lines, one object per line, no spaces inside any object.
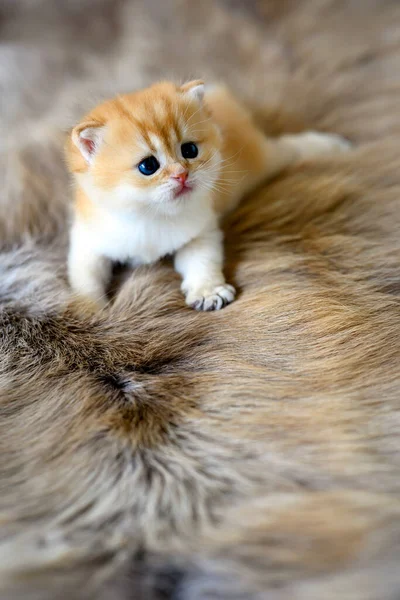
{"x":184,"y":186}
{"x":181,"y":177}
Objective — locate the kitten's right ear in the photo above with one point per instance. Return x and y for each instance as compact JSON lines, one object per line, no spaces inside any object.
{"x":195,"y":89}
{"x":88,"y":137}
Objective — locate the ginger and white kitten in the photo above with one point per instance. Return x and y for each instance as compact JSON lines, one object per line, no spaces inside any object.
{"x":154,"y":172}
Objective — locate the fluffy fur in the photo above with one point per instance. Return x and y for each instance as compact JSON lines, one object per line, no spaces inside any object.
{"x":124,"y":215}
{"x":152,"y":452}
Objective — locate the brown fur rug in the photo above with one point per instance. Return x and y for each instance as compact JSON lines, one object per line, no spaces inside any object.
{"x":157,"y":453}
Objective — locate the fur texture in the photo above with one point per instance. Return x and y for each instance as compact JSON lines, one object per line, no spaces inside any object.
{"x":154,"y":452}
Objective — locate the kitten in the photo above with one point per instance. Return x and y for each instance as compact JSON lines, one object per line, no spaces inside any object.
{"x":154,"y":172}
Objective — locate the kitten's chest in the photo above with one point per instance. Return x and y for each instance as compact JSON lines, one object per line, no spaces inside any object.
{"x":145,"y":240}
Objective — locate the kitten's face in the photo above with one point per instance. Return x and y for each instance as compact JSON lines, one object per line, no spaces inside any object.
{"x":157,"y":149}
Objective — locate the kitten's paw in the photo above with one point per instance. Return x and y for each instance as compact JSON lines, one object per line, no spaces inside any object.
{"x":210,"y":298}
{"x":312,"y":144}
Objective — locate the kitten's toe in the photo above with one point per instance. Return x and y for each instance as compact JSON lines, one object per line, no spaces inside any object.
{"x":214,"y":299}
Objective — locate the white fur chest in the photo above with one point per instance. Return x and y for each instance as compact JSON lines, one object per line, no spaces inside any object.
{"x":143,"y":238}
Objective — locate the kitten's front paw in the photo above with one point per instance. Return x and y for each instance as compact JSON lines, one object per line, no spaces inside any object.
{"x":210,"y":298}
{"x":312,"y":144}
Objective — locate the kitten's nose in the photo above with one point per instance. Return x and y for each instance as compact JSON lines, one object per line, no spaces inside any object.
{"x":181,"y":177}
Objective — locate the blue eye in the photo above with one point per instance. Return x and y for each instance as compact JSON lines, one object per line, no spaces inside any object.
{"x":149,"y":165}
{"x":189,"y":150}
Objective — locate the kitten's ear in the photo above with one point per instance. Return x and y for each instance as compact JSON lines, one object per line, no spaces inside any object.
{"x":88,"y":137}
{"x":195,"y":89}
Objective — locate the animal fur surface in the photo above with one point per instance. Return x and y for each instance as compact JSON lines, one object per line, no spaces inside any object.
{"x":153,"y":452}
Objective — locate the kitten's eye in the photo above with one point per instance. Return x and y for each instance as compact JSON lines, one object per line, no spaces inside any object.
{"x":189,"y":150}
{"x":149,"y":165}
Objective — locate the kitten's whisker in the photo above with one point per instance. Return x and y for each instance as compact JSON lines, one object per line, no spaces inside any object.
{"x":232,"y":180}
{"x":185,"y":113}
{"x":230,"y":158}
{"x":201,"y":132}
{"x":216,"y":187}
{"x":222,"y":181}
{"x":236,"y":171}
{"x":236,"y":153}
{"x":225,"y":164}
{"x":203,"y":121}
{"x":194,"y":114}
{"x":223,"y":188}
{"x":210,"y":159}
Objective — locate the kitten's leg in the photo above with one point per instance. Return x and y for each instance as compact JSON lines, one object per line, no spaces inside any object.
{"x":88,"y":272}
{"x":200,"y":264}
{"x":286,"y":150}
{"x":279,"y":153}
{"x":266,"y":157}
{"x":249,"y":157}
{"x":312,"y":144}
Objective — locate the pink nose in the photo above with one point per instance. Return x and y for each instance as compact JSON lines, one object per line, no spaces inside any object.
{"x":181,"y":177}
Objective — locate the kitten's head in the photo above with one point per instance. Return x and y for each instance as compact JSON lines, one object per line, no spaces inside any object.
{"x":154,"y":149}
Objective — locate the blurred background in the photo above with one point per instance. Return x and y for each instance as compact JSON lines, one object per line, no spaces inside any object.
{"x":58,"y":57}
{"x":330,"y":65}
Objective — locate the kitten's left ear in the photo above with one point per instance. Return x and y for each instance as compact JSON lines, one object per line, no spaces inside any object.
{"x":195,"y":89}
